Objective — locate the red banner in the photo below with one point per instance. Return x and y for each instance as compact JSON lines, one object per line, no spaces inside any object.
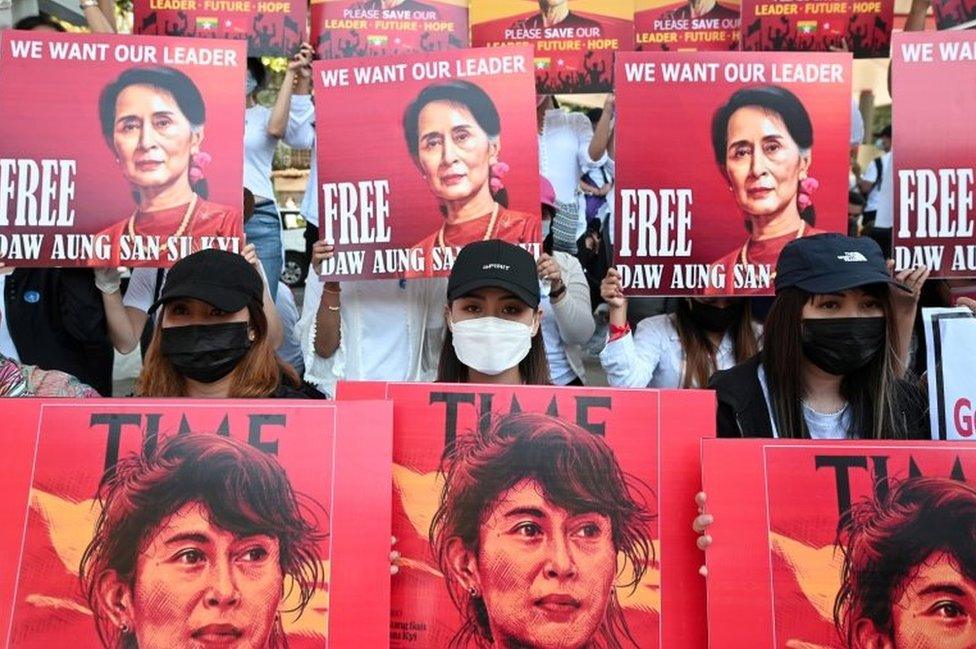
{"x":935,"y":163}
{"x":862,"y":27}
{"x":954,"y":14}
{"x":261,"y":503}
{"x":148,"y":168}
{"x":426,"y":153}
{"x":651,"y":443}
{"x":270,"y":27}
{"x":830,"y":545}
{"x":574,"y":41}
{"x":352,"y":28}
{"x":679,"y":27}
{"x":705,"y":222}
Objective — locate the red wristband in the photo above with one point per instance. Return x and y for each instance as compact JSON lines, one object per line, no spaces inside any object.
{"x":617,"y":332}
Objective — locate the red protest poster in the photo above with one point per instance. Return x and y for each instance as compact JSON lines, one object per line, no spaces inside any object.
{"x":862,"y":27}
{"x":934,"y":163}
{"x":191,"y":523}
{"x":840,"y":545}
{"x":686,"y":26}
{"x":351,"y":28}
{"x":579,"y":501}
{"x":954,"y":14}
{"x":574,"y":40}
{"x":761,"y":160}
{"x":422,"y":154}
{"x":270,"y":27}
{"x":141,"y":156}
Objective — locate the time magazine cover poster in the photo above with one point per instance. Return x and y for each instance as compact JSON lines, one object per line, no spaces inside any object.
{"x":176,"y":524}
{"x":544,"y":517}
{"x":119,"y":150}
{"x":850,"y":545}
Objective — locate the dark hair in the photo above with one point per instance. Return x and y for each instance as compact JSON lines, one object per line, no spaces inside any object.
{"x":258,"y":71}
{"x":871,"y":391}
{"x":576,"y":470}
{"x":699,"y":350}
{"x":181,"y":87}
{"x":856,"y":198}
{"x":28,"y":23}
{"x":884,"y":541}
{"x":779,"y":100}
{"x":245,"y":491}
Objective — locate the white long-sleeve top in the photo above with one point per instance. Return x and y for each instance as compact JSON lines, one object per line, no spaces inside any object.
{"x":259,"y":146}
{"x":567,"y":324}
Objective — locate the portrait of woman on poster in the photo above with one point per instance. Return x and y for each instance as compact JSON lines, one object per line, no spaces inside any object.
{"x":152,"y":119}
{"x":534,"y":513}
{"x":453,"y":134}
{"x":762,"y":139}
{"x":194,"y":545}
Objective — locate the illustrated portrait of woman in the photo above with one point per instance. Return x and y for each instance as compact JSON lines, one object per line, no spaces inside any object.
{"x":534,"y":514}
{"x":197,"y":544}
{"x":453,"y":134}
{"x":152,"y":119}
{"x":762,"y":139}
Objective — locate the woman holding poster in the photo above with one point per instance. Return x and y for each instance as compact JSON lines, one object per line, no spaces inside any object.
{"x":762,"y":139}
{"x":152,"y":118}
{"x":534,"y":514}
{"x":453,"y":133}
{"x":194,"y":545}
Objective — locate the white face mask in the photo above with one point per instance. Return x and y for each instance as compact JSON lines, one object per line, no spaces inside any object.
{"x":546,"y":227}
{"x":491,"y":345}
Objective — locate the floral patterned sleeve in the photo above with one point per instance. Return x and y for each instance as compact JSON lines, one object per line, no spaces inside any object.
{"x":45,"y":383}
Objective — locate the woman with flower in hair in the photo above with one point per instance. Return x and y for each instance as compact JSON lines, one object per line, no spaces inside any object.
{"x":762,"y":139}
{"x":453,"y":133}
{"x":534,"y":514}
{"x":153,"y":121}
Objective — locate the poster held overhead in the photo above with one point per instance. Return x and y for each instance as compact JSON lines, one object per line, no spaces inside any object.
{"x":684,"y":26}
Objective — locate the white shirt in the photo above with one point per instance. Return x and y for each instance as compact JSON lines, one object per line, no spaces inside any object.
{"x":259,"y":147}
{"x":388,"y":332}
{"x":881,"y":199}
{"x":564,"y":151}
{"x":290,"y":350}
{"x":7,"y":347}
{"x":652,"y":357}
{"x":310,"y":201}
{"x":142,"y":287}
{"x":820,"y":425}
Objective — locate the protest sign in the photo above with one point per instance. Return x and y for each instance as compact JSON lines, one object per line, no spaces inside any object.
{"x":574,"y":41}
{"x":270,"y":27}
{"x":692,"y":216}
{"x":125,"y":521}
{"x":679,"y":26}
{"x":632,"y":477}
{"x":839,"y":544}
{"x":950,"y":342}
{"x":419,"y":155}
{"x":142,"y":173}
{"x":934,"y":159}
{"x":862,"y":27}
{"x":352,"y":28}
{"x":954,"y":14}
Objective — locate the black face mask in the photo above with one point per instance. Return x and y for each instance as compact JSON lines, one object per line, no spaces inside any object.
{"x":715,"y":319}
{"x":205,"y":353}
{"x":840,"y":346}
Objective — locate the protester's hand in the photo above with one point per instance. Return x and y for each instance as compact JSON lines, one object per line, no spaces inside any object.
{"x":548,"y":269}
{"x":611,"y":291}
{"x":394,"y":557}
{"x":321,"y":251}
{"x":609,"y":105}
{"x":301,"y":60}
{"x":914,"y":279}
{"x":967,"y":302}
{"x":700,"y":525}
{"x":250,"y":255}
{"x":108,"y":280}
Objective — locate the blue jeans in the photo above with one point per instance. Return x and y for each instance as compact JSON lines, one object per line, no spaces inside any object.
{"x":264,"y":231}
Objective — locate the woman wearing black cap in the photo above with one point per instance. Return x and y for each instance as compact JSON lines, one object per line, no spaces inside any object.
{"x":211,"y":340}
{"x":493,"y":318}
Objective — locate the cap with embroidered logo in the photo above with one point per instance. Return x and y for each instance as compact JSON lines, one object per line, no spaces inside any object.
{"x":830,"y":262}
{"x":495,"y":264}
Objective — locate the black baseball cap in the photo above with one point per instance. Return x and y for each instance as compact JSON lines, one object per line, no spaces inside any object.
{"x":497,"y":264}
{"x":831,"y":262}
{"x":220,"y":278}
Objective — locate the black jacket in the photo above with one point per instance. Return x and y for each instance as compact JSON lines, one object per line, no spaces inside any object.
{"x":57,"y":321}
{"x":743,"y":411}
